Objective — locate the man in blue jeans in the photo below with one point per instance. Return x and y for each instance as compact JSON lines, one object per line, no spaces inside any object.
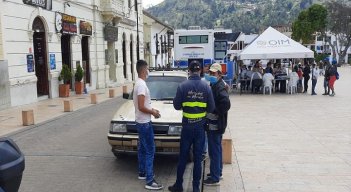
{"x":217,"y":123}
{"x":195,"y":98}
{"x":143,"y":112}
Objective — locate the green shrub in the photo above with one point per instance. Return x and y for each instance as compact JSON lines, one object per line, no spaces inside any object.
{"x":79,"y":74}
{"x":65,"y":75}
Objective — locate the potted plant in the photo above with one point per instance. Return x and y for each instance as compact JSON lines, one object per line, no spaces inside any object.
{"x":65,"y":76}
{"x":78,"y":76}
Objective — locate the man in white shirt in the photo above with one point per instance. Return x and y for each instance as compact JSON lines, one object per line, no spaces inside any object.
{"x":143,"y":112}
{"x":315,"y":74}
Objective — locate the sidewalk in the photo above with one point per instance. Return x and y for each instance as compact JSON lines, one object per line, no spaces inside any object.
{"x":297,"y":143}
{"x":50,"y":109}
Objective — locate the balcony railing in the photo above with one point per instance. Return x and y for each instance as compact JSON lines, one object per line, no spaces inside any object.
{"x":112,"y":7}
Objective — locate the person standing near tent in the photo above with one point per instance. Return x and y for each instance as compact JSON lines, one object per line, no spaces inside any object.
{"x":333,"y":76}
{"x":326,"y":78}
{"x":315,"y":74}
{"x":306,"y":76}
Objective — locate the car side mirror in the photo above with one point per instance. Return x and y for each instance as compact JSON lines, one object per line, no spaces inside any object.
{"x":125,"y":95}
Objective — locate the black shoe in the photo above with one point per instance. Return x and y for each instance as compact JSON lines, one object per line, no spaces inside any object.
{"x":174,"y":189}
{"x":325,"y":94}
{"x":142,"y":176}
{"x":304,"y":92}
{"x":211,"y":182}
{"x":314,"y":94}
{"x":209,"y":175}
{"x":332,"y":95}
{"x":153,"y":185}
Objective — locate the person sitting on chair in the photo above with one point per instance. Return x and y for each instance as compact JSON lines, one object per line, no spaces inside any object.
{"x":256,"y":82}
{"x":267,"y":80}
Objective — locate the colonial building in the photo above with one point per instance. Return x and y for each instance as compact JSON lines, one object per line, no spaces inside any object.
{"x":158,"y":41}
{"x":38,"y":37}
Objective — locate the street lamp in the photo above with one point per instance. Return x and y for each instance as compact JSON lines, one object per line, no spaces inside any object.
{"x":137,"y":22}
{"x":137,"y":14}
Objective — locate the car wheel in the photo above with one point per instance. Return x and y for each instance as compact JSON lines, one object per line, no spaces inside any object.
{"x":118,"y":155}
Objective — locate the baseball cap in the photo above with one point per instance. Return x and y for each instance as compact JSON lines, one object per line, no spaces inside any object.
{"x":216,"y":67}
{"x":194,"y":66}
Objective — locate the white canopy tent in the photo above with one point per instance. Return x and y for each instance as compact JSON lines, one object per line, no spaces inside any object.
{"x":272,"y":44}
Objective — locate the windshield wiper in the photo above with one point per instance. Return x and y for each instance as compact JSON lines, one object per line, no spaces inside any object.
{"x":166,"y":99}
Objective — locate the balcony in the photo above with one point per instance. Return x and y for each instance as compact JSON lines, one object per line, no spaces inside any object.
{"x":112,"y":8}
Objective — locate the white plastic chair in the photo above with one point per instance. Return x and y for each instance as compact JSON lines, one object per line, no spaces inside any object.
{"x":292,"y":85}
{"x":270,"y":89}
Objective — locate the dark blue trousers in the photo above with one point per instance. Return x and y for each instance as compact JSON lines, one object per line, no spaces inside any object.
{"x":191,"y":136}
{"x":215,"y":153}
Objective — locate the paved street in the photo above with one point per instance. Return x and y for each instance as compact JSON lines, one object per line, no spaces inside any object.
{"x":280,"y":143}
{"x":72,"y":154}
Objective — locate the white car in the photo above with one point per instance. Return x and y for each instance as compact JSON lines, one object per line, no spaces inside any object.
{"x":123,"y":135}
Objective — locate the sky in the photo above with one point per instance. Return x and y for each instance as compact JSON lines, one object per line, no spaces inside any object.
{"x":147,"y":3}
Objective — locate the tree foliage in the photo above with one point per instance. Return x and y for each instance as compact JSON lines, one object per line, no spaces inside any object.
{"x":310,"y":21}
{"x":339,"y":24}
{"x":249,"y":16}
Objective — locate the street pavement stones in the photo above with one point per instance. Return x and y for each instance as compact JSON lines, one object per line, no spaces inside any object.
{"x":293,"y":142}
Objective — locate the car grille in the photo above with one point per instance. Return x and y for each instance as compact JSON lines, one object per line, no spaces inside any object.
{"x":158,"y":129}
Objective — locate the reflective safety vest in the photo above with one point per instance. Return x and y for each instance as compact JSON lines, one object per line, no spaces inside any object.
{"x":195,"y":98}
{"x":200,"y":106}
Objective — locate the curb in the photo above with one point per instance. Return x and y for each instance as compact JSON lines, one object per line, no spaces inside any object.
{"x":28,"y":128}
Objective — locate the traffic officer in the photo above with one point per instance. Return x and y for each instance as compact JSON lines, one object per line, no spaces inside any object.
{"x":195,"y":98}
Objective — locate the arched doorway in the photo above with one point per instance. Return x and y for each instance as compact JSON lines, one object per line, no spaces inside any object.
{"x":124,"y":56}
{"x":66,"y":53}
{"x":86,"y":57}
{"x":40,"y":57}
{"x":131,"y":56}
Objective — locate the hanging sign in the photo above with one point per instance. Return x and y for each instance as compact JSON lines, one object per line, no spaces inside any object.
{"x":111,"y":33}
{"x":46,"y":4}
{"x":85,"y":28}
{"x":66,"y":24}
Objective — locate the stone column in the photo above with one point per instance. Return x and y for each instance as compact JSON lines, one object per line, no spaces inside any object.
{"x":129,"y":74}
{"x":111,"y":60}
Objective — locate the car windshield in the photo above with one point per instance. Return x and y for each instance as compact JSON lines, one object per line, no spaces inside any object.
{"x":163,"y":87}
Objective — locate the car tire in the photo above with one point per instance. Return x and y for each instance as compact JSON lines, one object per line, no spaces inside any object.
{"x":118,"y":155}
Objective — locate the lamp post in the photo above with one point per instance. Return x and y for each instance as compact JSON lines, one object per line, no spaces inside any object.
{"x":137,"y":20}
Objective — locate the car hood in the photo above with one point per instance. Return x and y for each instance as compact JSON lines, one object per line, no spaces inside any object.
{"x":126,"y":112}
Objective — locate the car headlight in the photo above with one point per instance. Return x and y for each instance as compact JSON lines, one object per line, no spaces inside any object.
{"x":118,"y":128}
{"x":174,"y":130}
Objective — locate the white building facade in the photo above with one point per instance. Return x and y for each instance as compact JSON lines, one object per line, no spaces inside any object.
{"x":38,"y":37}
{"x":322,"y":46}
{"x":158,"y":41}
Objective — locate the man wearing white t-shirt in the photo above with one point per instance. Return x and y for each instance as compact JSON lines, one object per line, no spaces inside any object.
{"x":143,"y":112}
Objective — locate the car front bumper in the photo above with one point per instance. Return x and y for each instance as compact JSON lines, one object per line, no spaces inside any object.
{"x":128,"y":143}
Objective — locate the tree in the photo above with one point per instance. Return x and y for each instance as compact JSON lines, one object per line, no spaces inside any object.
{"x":309,"y":22}
{"x":339,"y":25}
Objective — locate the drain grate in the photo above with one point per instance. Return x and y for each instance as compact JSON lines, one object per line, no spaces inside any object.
{"x":52,"y":105}
{"x":81,"y":98}
{"x":101,"y":93}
